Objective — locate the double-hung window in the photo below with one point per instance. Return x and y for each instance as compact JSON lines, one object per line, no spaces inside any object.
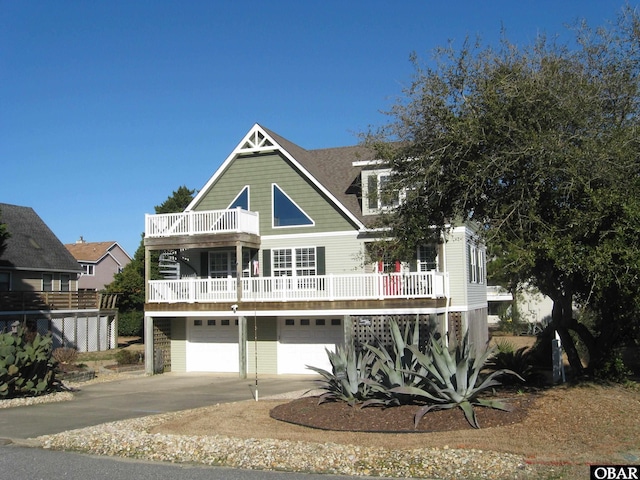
{"x":475,"y":264}
{"x":295,"y":262}
{"x":47,"y":282}
{"x":427,"y":258}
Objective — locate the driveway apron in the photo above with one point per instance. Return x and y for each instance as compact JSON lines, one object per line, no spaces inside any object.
{"x":139,"y":396}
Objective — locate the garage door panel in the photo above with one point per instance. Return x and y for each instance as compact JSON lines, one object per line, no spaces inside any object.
{"x":212,"y":347}
{"x":304,"y":342}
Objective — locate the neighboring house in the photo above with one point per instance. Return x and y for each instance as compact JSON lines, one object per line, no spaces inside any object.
{"x":534,"y":308}
{"x":99,"y":262}
{"x":275,"y":254}
{"x":39,"y":287}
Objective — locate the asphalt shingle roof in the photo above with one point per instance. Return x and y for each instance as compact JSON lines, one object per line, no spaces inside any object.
{"x":32,"y":245}
{"x":89,"y":251}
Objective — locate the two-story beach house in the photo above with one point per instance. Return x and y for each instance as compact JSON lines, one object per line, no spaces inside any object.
{"x":270,"y":264}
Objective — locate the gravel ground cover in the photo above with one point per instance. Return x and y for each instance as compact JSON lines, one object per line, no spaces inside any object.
{"x":567,"y":429}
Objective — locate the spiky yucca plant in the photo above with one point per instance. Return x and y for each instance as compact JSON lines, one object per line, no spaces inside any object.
{"x":348,"y":380}
{"x":398,"y":367}
{"x":453,"y":380}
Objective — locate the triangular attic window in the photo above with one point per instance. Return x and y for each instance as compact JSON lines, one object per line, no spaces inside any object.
{"x":285,"y":211}
{"x":242,"y":200}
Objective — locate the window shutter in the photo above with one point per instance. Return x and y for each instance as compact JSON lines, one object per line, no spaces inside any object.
{"x":204,"y":264}
{"x":266,"y":263}
{"x":320,"y":261}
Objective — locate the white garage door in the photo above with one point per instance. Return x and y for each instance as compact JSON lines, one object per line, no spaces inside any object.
{"x":212,"y":345}
{"x":302,"y":342}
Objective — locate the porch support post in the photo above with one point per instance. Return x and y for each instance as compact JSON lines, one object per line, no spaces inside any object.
{"x":147,"y":272}
{"x":148,"y":345}
{"x":347,"y":325}
{"x":239,"y":270}
{"x":242,"y":346}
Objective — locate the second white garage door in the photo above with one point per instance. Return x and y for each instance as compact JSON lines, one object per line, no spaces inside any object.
{"x":302,"y":342}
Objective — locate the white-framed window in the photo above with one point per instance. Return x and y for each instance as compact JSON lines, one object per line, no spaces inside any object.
{"x":222,"y":263}
{"x":241,"y":200}
{"x":88,"y":269}
{"x":427,"y":258}
{"x":294,"y":262}
{"x":47,"y":282}
{"x":65,"y":282}
{"x":475,"y":264}
{"x":286,"y":212}
{"x":379,"y":196}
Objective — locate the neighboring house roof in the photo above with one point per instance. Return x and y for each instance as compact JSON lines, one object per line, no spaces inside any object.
{"x":330,"y":168}
{"x":32,"y":245}
{"x":92,"y":252}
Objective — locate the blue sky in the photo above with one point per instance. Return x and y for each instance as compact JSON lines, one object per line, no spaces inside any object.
{"x":108,"y":107}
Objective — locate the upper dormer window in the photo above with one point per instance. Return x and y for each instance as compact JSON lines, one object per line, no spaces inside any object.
{"x":379,"y":195}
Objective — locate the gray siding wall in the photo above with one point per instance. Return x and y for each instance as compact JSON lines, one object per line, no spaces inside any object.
{"x":343,"y":253}
{"x":456,"y":264}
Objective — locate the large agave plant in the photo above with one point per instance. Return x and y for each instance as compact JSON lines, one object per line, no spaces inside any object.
{"x":348,"y":380}
{"x":453,"y":380}
{"x":398,"y":367}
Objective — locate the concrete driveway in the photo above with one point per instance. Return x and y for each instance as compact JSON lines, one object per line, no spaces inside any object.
{"x":139,"y":396}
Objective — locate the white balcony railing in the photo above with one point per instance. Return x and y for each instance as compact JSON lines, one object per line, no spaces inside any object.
{"x":194,"y":223}
{"x":320,"y":287}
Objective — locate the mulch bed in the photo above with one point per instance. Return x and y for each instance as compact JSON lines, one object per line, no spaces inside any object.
{"x":340,"y":416}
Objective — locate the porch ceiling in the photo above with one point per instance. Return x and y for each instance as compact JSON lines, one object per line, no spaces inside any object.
{"x":202,"y":241}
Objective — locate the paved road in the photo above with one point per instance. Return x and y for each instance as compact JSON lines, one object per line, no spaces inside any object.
{"x":21,"y":463}
{"x":139,"y":396}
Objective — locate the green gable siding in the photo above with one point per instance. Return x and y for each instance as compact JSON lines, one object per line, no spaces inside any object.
{"x":260,"y":172}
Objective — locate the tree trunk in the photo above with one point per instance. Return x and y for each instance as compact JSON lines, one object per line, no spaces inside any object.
{"x":562,"y":320}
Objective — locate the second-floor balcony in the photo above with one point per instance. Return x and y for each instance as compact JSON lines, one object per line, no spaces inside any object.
{"x":309,"y":288}
{"x":201,"y":222}
{"x":47,"y":301}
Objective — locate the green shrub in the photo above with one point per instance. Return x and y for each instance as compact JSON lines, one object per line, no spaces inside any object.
{"x":127,"y":357}
{"x":131,"y":323}
{"x":520,"y":361}
{"x":26,"y":364}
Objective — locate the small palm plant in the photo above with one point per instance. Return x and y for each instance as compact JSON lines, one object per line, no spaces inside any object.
{"x":506,"y":357}
{"x":453,"y":380}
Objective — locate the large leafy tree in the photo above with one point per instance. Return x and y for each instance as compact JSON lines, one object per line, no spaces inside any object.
{"x":130,"y":282}
{"x":539,"y":145}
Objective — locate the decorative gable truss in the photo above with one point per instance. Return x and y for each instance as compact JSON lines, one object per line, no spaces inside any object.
{"x":255,"y":141}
